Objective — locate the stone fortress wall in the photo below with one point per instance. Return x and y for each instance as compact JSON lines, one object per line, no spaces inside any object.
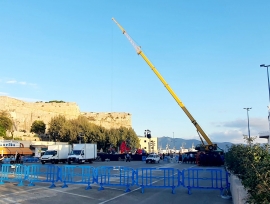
{"x":25,"y":113}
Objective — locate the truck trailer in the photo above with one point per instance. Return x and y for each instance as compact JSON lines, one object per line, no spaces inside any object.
{"x":82,"y":153}
{"x":56,"y":154}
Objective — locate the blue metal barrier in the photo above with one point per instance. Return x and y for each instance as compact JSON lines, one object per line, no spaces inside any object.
{"x":30,"y":159}
{"x":177,"y":158}
{"x":165,"y":159}
{"x":43,"y":173}
{"x":77,"y":175}
{"x":143,"y":158}
{"x":205,"y":179}
{"x":191,"y":178}
{"x":11,"y":173}
{"x":158,"y":178}
{"x":115,"y":176}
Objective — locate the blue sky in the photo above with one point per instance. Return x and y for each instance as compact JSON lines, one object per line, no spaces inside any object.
{"x":208,"y":51}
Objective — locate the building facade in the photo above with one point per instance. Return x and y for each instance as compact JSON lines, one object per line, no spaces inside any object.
{"x":149,"y":145}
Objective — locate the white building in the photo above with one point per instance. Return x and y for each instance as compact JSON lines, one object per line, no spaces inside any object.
{"x":149,"y":145}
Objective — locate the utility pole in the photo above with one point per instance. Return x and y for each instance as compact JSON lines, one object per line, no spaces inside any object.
{"x":173,"y":141}
{"x":248,"y":125}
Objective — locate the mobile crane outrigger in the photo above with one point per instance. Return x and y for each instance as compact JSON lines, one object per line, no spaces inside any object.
{"x":210,"y":146}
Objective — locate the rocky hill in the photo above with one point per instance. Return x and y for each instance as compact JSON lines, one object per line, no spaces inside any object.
{"x":25,"y":113}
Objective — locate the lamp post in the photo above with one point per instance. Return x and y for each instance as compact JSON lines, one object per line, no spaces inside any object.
{"x":263,"y":65}
{"x":173,"y":141}
{"x":248,"y":123}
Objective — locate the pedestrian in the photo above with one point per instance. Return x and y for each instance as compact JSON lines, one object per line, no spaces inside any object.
{"x":18,"y":158}
{"x":127,"y":157}
{"x":163,"y":155}
{"x":179,"y":158}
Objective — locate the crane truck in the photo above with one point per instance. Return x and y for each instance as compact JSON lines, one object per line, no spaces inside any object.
{"x":210,"y":146}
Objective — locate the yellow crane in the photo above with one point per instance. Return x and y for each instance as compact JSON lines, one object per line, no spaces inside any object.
{"x":210,"y":145}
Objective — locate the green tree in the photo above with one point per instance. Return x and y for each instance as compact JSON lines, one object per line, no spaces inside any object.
{"x":56,"y":128}
{"x":5,"y":121}
{"x":2,"y":131}
{"x":38,"y":127}
{"x":251,"y":163}
{"x":68,"y":131}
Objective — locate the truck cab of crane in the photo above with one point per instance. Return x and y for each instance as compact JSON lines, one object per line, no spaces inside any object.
{"x":202,"y":147}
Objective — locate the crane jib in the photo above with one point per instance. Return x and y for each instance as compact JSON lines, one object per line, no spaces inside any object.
{"x":210,"y":146}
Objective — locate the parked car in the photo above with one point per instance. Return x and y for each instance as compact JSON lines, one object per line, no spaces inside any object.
{"x":152,"y":158}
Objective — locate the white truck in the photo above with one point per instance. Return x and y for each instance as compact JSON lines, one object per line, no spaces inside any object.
{"x":82,"y":153}
{"x":56,"y":154}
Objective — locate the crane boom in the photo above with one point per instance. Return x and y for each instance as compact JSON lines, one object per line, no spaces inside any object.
{"x":210,"y":145}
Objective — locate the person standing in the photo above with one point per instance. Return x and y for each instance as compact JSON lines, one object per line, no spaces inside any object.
{"x":127,"y":157}
{"x":18,"y":158}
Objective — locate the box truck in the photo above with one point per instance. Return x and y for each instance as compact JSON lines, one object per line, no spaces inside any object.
{"x":56,"y":154}
{"x":82,"y":153}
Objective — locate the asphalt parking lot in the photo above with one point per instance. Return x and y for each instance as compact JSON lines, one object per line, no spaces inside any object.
{"x":10,"y":193}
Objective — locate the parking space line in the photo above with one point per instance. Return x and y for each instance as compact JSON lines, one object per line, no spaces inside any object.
{"x":119,"y":196}
{"x":75,"y":194}
{"x":128,"y":192}
{"x":19,"y":192}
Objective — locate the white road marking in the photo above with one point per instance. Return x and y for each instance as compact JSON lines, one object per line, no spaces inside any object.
{"x":75,"y":194}
{"x":18,"y":192}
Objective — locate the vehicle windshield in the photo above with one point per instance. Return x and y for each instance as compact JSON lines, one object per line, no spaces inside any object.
{"x":52,"y":152}
{"x":75,"y":152}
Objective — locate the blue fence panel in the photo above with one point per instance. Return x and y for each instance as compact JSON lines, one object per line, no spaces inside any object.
{"x":166,"y":159}
{"x":205,"y":179}
{"x":8,"y":160}
{"x":177,"y":158}
{"x":115,"y":176}
{"x":30,"y":159}
{"x":13,"y":173}
{"x":43,"y":173}
{"x":77,"y":175}
{"x":158,"y":178}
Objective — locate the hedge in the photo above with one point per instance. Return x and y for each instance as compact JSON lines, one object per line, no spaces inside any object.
{"x":251,"y":164}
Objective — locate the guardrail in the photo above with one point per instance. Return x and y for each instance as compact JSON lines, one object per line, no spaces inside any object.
{"x":115,"y":176}
{"x":158,"y":178}
{"x":70,"y":174}
{"x":120,"y":176}
{"x":40,"y":173}
{"x":13,"y":173}
{"x":204,"y":179}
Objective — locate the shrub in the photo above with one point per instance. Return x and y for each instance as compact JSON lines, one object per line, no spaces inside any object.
{"x":251,"y":163}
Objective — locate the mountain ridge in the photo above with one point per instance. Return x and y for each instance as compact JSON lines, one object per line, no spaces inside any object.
{"x":187,"y":143}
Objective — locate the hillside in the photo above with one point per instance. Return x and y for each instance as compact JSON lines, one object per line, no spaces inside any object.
{"x":24,"y":113}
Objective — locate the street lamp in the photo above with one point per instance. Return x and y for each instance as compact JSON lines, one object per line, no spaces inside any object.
{"x":248,"y":123}
{"x":173,"y":141}
{"x":263,"y":65}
